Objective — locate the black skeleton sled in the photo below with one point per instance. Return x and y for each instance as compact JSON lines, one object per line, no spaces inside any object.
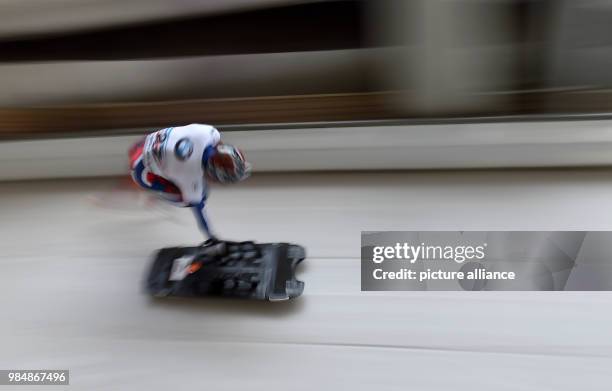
{"x":248,"y":270}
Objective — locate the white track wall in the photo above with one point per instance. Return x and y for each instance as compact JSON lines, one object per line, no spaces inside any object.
{"x":457,"y":146}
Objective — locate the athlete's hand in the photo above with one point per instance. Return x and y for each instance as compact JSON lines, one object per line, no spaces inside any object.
{"x":211,"y":241}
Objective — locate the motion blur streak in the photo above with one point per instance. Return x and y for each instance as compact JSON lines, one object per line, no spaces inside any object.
{"x":30,"y":17}
{"x":445,"y":58}
{"x":100,"y":325}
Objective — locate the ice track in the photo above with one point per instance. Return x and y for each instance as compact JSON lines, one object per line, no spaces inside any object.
{"x":70,"y":284}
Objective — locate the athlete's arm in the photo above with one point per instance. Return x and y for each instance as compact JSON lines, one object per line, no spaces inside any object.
{"x":191,"y":180}
{"x":200,"y":214}
{"x":198,"y":209}
{"x":197,"y":205}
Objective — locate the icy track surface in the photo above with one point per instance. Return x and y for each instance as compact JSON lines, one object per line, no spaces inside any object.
{"x":71,"y":298}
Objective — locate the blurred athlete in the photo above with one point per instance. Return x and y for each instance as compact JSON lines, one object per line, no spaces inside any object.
{"x":177,"y":163}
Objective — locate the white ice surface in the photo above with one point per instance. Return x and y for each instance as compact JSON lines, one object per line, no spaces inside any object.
{"x":71,"y":272}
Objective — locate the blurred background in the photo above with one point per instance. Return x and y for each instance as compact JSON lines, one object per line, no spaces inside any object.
{"x":372,"y":115}
{"x":69,"y":65}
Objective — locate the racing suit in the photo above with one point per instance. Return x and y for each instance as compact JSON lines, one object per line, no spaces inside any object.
{"x":171,"y":162}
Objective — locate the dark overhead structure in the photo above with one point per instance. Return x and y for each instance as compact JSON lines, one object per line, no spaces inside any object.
{"x":305,"y":27}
